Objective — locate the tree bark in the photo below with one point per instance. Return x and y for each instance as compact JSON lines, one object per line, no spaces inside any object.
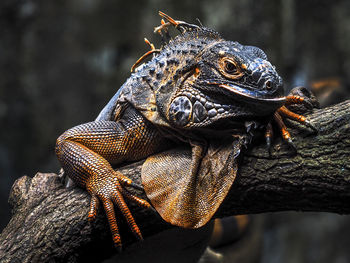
{"x":49,"y":222}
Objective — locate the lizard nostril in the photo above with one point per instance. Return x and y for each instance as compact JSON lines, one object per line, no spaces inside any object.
{"x":268,"y":84}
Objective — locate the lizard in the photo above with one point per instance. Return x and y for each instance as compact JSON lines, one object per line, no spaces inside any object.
{"x":198,"y":90}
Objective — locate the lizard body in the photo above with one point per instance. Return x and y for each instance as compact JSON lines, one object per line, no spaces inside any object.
{"x":199,"y":89}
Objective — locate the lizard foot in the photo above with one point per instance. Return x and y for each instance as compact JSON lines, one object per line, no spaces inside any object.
{"x":109,"y":189}
{"x":301,"y":100}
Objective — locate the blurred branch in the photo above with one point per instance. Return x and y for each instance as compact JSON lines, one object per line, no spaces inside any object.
{"x":49,"y":222}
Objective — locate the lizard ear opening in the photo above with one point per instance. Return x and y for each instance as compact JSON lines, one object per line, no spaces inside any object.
{"x":190,"y":201}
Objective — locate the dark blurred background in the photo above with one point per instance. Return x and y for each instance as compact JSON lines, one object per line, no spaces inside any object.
{"x":61,"y":61}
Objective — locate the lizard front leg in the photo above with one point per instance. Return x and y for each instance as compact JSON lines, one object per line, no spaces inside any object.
{"x":87,"y":151}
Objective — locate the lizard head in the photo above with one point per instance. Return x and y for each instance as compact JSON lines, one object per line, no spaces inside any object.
{"x":198,"y":78}
{"x":229,"y":80}
{"x":242,"y":71}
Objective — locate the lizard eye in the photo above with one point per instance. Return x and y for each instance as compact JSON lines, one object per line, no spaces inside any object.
{"x":229,"y":68}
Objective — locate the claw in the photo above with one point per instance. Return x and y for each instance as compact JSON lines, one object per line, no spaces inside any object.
{"x":311,"y":126}
{"x":268,"y":137}
{"x":118,"y":248}
{"x":268,"y":145}
{"x":136,"y":186}
{"x":292,"y":145}
{"x":152,"y":209}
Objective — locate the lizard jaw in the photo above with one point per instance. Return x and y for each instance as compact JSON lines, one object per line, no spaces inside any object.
{"x":244,"y":94}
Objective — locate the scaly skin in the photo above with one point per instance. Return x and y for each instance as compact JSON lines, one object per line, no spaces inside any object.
{"x":195,"y":87}
{"x":87,"y":151}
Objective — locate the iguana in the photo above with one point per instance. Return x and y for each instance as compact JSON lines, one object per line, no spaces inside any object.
{"x":200,"y":91}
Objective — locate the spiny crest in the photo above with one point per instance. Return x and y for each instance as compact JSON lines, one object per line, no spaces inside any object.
{"x":184,"y":27}
{"x":188,"y":32}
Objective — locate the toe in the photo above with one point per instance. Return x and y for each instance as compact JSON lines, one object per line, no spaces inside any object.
{"x":94,"y":204}
{"x":108,"y":206}
{"x":119,"y":201}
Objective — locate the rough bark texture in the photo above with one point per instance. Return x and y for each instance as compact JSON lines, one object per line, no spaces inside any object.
{"x":49,"y":222}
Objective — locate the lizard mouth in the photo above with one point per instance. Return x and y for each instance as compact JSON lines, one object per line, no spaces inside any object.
{"x":253,"y":96}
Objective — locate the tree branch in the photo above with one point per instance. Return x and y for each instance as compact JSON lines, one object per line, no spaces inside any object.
{"x":49,"y":222}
